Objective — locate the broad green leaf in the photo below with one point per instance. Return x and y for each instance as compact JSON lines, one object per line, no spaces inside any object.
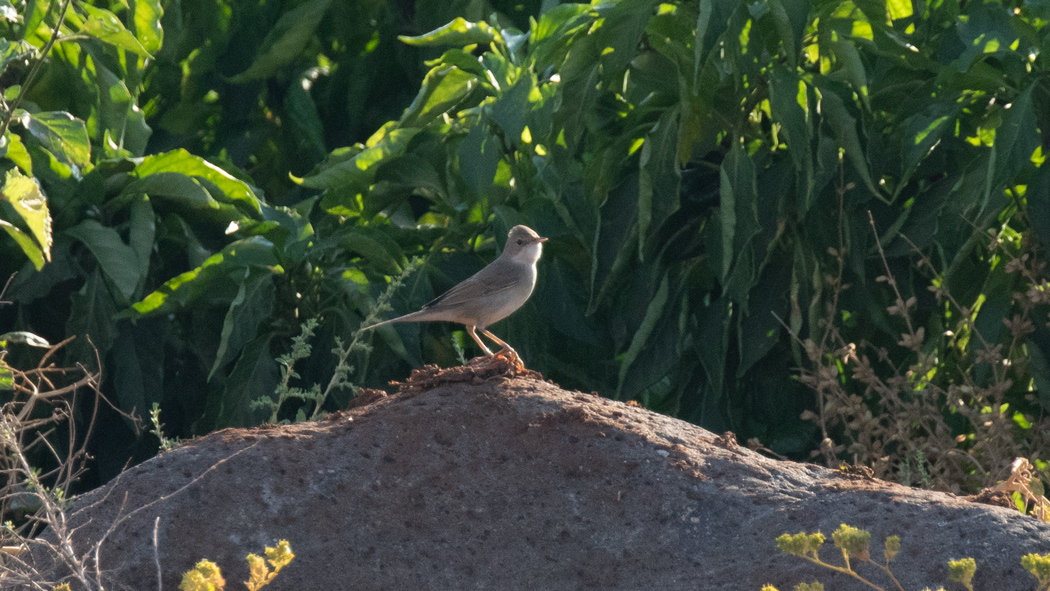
{"x":739,"y":195}
{"x":185,"y":194}
{"x":117,"y":116}
{"x":91,"y":320}
{"x":231,"y":190}
{"x":510,"y":111}
{"x":479,"y":154}
{"x":62,"y":135}
{"x":359,"y":170}
{"x":700,"y":44}
{"x":105,"y":26}
{"x":26,"y":243}
{"x":118,"y":261}
{"x":851,"y":68}
{"x":302,"y":111}
{"x":459,"y":32}
{"x":248,"y":310}
{"x":25,"y":197}
{"x":227,"y":265}
{"x":137,"y":363}
{"x":845,"y":128}
{"x":376,"y":248}
{"x":898,"y":9}
{"x":443,"y":88}
{"x":285,"y":42}
{"x":789,"y":99}
{"x":652,"y":316}
{"x":14,"y":150}
{"x":254,"y":375}
{"x":148,"y":30}
{"x":659,"y":178}
{"x":553,"y":35}
{"x":1017,"y":138}
{"x":622,"y":28}
{"x":142,"y":233}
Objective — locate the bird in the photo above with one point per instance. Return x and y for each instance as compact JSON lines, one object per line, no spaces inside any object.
{"x":490,"y":295}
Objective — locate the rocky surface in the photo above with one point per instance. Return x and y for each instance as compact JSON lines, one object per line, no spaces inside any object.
{"x":513,"y":483}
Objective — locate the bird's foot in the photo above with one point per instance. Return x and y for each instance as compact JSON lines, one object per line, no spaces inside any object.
{"x":511,"y":356}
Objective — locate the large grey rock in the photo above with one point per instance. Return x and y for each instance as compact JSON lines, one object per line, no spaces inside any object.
{"x":516,"y":484}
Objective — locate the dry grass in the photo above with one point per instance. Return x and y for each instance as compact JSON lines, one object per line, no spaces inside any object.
{"x":930,"y":421}
{"x":36,"y":414}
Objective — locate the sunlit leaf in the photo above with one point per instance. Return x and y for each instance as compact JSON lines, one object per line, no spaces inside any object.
{"x":105,"y":26}
{"x":24,"y":195}
{"x":61,"y":134}
{"x":459,"y":32}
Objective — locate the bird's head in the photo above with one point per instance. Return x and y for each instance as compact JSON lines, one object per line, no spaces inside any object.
{"x":524,"y":245}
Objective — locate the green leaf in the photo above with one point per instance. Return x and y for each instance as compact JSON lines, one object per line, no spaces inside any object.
{"x":479,"y":154}
{"x":286,"y":41}
{"x":105,"y":26}
{"x":376,"y":247}
{"x":845,"y":128}
{"x":652,"y":315}
{"x":25,"y":197}
{"x":142,"y":232}
{"x":622,"y":30}
{"x":148,"y":30}
{"x":26,"y":243}
{"x":1017,"y":138}
{"x":230,"y":189}
{"x":137,"y":364}
{"x":183,"y":193}
{"x":178,"y":292}
{"x":459,"y":32}
{"x":118,"y":261}
{"x":255,"y":374}
{"x":118,"y":124}
{"x":511,"y":109}
{"x":898,"y":9}
{"x":358,"y":171}
{"x":14,"y":150}
{"x":739,"y":195}
{"x":442,"y":89}
{"x":302,"y":111}
{"x":789,"y":98}
{"x":659,"y":178}
{"x":91,"y":320}
{"x":252,"y":305}
{"x":61,"y":134}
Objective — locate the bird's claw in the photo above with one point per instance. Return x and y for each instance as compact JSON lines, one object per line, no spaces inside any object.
{"x":511,"y":356}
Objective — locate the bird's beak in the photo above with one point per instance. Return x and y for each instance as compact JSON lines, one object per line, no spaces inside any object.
{"x":542,"y":239}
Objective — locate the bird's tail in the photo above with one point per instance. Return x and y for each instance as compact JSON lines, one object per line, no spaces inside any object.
{"x":419,"y":316}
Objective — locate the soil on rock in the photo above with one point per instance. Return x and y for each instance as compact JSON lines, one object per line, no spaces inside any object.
{"x":505,"y":483}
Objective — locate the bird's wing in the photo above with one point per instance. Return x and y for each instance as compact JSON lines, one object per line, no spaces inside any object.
{"x":483,"y":283}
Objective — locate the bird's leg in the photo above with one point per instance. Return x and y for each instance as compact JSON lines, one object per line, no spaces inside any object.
{"x":474,"y":335}
{"x":507,"y":351}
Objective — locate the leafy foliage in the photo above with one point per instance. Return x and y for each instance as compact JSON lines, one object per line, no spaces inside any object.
{"x":705,"y":172}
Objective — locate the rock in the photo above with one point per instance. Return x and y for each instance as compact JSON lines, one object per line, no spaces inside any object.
{"x":507,"y":484}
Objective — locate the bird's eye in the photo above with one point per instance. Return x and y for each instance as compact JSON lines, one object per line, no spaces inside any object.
{"x":520,"y":242}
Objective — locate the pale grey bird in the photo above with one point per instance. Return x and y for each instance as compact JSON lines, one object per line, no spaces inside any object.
{"x":491,"y":294}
